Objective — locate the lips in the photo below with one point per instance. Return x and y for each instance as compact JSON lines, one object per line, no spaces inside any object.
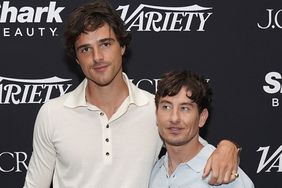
{"x":100,"y":68}
{"x":175,"y":130}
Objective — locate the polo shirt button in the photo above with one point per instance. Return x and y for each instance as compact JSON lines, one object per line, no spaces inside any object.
{"x":107,"y":140}
{"x":107,"y":153}
{"x":101,"y":113}
{"x":107,"y":126}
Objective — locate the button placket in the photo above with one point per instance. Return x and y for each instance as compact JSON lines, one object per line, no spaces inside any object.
{"x":107,"y":141}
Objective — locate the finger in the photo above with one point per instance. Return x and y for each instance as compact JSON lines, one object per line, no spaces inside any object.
{"x":228,"y":176}
{"x":207,"y":169}
{"x":214,"y":177}
{"x":220,"y":176}
{"x":213,"y":180}
{"x":234,"y":175}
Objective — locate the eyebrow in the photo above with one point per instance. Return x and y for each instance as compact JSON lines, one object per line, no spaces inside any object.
{"x":106,"y":40}
{"x":164,"y":101}
{"x":183,"y":103}
{"x":99,"y":41}
{"x":187,"y":103}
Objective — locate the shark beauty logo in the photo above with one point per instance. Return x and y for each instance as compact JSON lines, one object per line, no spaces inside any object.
{"x":31,"y":91}
{"x":159,"y":18}
{"x":29,"y":21}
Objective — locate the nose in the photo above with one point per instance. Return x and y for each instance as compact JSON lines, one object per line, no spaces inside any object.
{"x":98,"y":55}
{"x":174,"y":116}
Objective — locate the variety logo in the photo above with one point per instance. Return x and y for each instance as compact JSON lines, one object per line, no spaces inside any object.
{"x":159,"y":18}
{"x":273,"y":86}
{"x":273,"y":20}
{"x":13,"y":162}
{"x":273,"y":162}
{"x":29,"y":15}
{"x":31,"y":91}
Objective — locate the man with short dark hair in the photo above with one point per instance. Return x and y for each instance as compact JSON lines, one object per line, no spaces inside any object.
{"x":183,"y":101}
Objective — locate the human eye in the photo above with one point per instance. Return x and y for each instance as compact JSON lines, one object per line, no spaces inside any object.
{"x":84,"y":50}
{"x":166,"y":107}
{"x":184,"y":108}
{"x":106,"y":44}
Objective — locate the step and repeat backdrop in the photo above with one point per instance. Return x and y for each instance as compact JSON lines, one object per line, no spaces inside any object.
{"x":236,"y":44}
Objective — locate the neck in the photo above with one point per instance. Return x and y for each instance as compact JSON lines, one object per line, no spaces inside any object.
{"x":181,"y":154}
{"x":108,"y":98}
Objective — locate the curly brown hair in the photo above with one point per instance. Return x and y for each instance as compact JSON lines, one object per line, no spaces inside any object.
{"x":91,"y":16}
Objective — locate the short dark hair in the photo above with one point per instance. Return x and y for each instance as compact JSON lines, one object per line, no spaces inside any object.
{"x":172,"y":82}
{"x":90,"y":17}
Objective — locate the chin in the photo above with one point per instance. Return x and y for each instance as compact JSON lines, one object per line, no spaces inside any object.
{"x":176,"y":142}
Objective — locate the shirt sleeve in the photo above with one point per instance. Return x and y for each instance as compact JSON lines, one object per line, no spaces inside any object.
{"x":42,"y":162}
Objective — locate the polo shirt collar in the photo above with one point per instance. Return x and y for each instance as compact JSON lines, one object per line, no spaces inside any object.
{"x":76,"y":98}
{"x":197,"y":163}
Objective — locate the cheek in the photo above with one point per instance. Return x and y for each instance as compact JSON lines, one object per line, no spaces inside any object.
{"x":160,"y":120}
{"x":161,"y":117}
{"x":116,"y":60}
{"x":84,"y":61}
{"x":116,"y":54}
{"x":192,"y":125}
{"x":189,"y":122}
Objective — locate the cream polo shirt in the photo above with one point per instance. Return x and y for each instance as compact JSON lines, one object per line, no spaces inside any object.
{"x":77,"y":146}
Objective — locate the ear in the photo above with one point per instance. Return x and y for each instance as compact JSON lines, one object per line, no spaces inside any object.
{"x":203,"y":117}
{"x":76,"y":60}
{"x":123,"y":50}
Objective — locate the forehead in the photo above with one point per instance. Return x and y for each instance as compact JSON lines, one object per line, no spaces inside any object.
{"x":102,"y":32}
